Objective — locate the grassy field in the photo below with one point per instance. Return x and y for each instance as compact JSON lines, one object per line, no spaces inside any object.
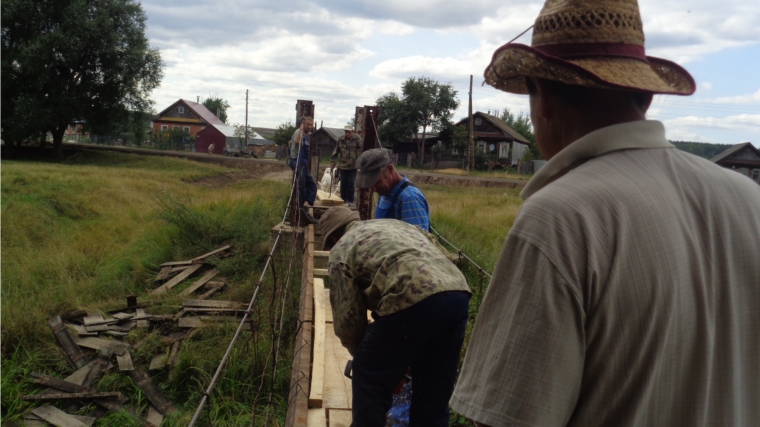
{"x":84,"y":233}
{"x":496,"y":173}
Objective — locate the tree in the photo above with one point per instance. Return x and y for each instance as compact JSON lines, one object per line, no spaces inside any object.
{"x":284,"y":133}
{"x":74,"y":61}
{"x":240,"y":131}
{"x":424,"y":103}
{"x":522,"y":124}
{"x":217,"y":106}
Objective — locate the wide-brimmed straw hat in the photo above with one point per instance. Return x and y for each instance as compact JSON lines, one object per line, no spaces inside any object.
{"x":594,"y":43}
{"x":333,"y":219}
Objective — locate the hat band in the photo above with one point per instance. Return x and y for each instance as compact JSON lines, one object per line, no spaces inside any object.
{"x":575,"y":50}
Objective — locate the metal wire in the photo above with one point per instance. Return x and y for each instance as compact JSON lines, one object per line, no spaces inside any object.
{"x":460,"y":252}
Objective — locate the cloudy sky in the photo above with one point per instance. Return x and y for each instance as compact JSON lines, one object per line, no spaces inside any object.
{"x":341,"y":54}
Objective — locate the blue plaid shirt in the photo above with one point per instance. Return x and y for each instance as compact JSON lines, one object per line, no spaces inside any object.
{"x":408,"y":205}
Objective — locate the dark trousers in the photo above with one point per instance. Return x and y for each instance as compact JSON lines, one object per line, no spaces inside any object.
{"x":347,"y":179}
{"x":307,"y":188}
{"x":427,"y":337}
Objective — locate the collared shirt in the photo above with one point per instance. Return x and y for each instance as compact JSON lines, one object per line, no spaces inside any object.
{"x":627,"y":293}
{"x":348,"y":150}
{"x":408,"y":204}
{"x":384,"y":266}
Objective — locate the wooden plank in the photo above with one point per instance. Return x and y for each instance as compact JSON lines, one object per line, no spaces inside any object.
{"x":340,"y":417}
{"x":101,"y":363}
{"x":33,"y":420}
{"x":175,"y":270}
{"x":215,"y":310}
{"x":125,"y":362}
{"x":96,"y":344}
{"x":123,"y":316}
{"x":158,"y":362}
{"x":198,"y":321}
{"x":329,"y":199}
{"x":174,"y":354}
{"x":337,"y":388}
{"x":321,"y":254}
{"x":72,"y":396}
{"x":175,"y":263}
{"x":176,"y":280}
{"x":328,"y":308}
{"x":190,"y":322}
{"x":152,"y":392}
{"x":154,"y":417}
{"x":56,"y":383}
{"x":163,"y":273}
{"x":320,"y":272}
{"x":202,"y":281}
{"x":93,"y":318}
{"x":57,"y":417}
{"x":210,"y":292}
{"x":74,"y":315}
{"x":73,"y":353}
{"x":318,"y":361}
{"x":216,"y":283}
{"x":214,"y":303}
{"x":80,"y":330}
{"x":316,"y":418}
{"x":141,"y":323}
{"x":214,"y":252}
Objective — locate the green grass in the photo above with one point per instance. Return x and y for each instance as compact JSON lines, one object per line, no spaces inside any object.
{"x":496,"y":173}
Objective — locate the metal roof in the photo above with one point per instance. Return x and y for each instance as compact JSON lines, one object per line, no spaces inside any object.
{"x":199,"y":109}
{"x":735,"y":149}
{"x":499,"y":123}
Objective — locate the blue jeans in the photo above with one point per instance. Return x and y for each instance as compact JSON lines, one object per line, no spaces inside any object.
{"x":427,"y":337}
{"x":347,"y":180}
{"x":307,"y":188}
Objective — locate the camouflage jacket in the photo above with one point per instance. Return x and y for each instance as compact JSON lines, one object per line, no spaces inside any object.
{"x":385,"y":266}
{"x":348,"y":150}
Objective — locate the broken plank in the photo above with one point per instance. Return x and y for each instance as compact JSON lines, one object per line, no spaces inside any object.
{"x":318,"y":361}
{"x":138,"y":314}
{"x":158,"y":362}
{"x":217,"y":304}
{"x":123,"y":316}
{"x":210,"y":292}
{"x":175,"y":270}
{"x":153,"y":393}
{"x":200,"y":282}
{"x":72,"y":352}
{"x":125,"y":361}
{"x":57,"y":417}
{"x":72,"y":396}
{"x":320,"y":272}
{"x":175,"y":263}
{"x":56,"y":383}
{"x":96,"y":343}
{"x":154,"y":417}
{"x":101,"y":363}
{"x":163,"y":273}
{"x":93,"y":318}
{"x":176,"y":280}
{"x":204,"y":256}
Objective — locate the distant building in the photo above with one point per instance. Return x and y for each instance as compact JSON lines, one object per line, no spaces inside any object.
{"x":324,"y":140}
{"x":185,"y":115}
{"x":221,"y":135}
{"x":743,"y":158}
{"x":495,"y":137}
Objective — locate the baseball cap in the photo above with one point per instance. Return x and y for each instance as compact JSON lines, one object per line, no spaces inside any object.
{"x":348,"y":127}
{"x":369,"y":165}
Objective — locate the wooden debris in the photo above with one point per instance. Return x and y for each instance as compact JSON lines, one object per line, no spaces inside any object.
{"x":204,"y":256}
{"x":202,"y":281}
{"x":72,"y":352}
{"x":318,"y":360}
{"x":123,"y":316}
{"x":154,"y":417}
{"x":158,"y":362}
{"x":198,"y":321}
{"x":210,"y":292}
{"x":212,"y":304}
{"x":328,"y":199}
{"x":140,"y":313}
{"x":73,"y":316}
{"x":174,"y":354}
{"x":175,"y":263}
{"x":56,"y":383}
{"x":128,"y":326}
{"x":215,"y":310}
{"x":320,"y":272}
{"x":81,"y":330}
{"x":176,"y":280}
{"x":96,"y":344}
{"x":153,"y":393}
{"x":175,"y":270}
{"x":321,"y":254}
{"x":125,"y":361}
{"x":163,"y":274}
{"x":32,"y":420}
{"x":72,"y":396}
{"x":57,"y":417}
{"x":176,"y":336}
{"x":92,"y":378}
{"x":93,"y":319}
{"x":179,"y":314}
{"x":216,"y":283}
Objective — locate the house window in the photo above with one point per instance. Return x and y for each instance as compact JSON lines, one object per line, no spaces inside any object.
{"x":164,"y":127}
{"x":182,"y":110}
{"x":756,"y":175}
{"x":482,"y":145}
{"x":186,"y":129}
{"x":477,"y":122}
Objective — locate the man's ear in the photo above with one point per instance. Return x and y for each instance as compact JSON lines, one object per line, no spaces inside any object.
{"x":543,"y":99}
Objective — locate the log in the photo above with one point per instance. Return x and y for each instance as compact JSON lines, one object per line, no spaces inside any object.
{"x":202,"y":281}
{"x":73,"y":353}
{"x":176,"y":280}
{"x":152,"y":392}
{"x":72,"y":396}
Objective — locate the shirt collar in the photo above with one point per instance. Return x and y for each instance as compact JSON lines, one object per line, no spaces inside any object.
{"x":396,"y":188}
{"x":623,"y":136}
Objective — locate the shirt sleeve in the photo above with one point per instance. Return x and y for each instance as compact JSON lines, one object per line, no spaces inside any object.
{"x":412,"y":207}
{"x":335,"y":152}
{"x":524,"y":363}
{"x":348,"y":307}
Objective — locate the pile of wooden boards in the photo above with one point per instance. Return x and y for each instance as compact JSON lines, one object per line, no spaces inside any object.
{"x":175,"y":272}
{"x":328,"y":199}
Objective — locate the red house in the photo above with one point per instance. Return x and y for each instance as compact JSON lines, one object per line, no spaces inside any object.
{"x":189,"y":116}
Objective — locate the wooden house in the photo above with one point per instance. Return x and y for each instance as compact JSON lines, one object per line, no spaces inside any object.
{"x":743,"y":158}
{"x":324,"y":139}
{"x":191,"y":117}
{"x":496,"y":138}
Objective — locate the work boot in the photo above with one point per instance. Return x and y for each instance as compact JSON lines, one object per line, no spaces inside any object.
{"x":306,"y":217}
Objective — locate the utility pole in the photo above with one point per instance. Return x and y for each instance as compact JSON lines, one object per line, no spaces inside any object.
{"x":246,"y":119}
{"x":470,"y":137}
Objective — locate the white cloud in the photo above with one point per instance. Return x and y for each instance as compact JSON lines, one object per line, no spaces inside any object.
{"x":747,"y":123}
{"x":739,"y":99}
{"x":421,"y":65}
{"x":706,"y":85}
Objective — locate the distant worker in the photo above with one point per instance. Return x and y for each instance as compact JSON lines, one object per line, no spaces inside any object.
{"x":348,"y":148}
{"x":299,"y":163}
{"x":419,"y":302}
{"x":211,"y":149}
{"x":627,"y":293}
{"x":399,"y":198}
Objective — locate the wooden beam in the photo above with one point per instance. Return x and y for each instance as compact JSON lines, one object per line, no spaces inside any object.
{"x":72,"y":396}
{"x":125,"y":362}
{"x":202,"y":281}
{"x":204,"y":256}
{"x":56,"y":383}
{"x":175,"y":263}
{"x":337,"y":388}
{"x":321,"y":254}
{"x":152,"y":392}
{"x":57,"y":417}
{"x":176,"y":280}
{"x":210,"y":304}
{"x":97,"y":343}
{"x":163,"y":273}
{"x":73,"y":353}
{"x":318,"y":361}
{"x":320,"y":272}
{"x":316,"y":418}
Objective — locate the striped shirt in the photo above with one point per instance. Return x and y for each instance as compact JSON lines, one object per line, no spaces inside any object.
{"x":405,"y":204}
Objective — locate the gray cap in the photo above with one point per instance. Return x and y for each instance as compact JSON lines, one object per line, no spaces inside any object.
{"x":348,"y":127}
{"x":369,"y":165}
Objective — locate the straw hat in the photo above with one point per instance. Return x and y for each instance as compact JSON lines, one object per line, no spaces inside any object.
{"x":594,"y":43}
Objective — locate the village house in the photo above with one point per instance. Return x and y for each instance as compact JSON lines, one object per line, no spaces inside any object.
{"x":495,"y":137}
{"x":324,"y":140}
{"x":224,"y":135}
{"x":743,"y":158}
{"x":191,"y":117}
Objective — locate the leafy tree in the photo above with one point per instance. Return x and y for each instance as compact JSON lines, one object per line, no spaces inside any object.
{"x":395,"y":122}
{"x":240,"y":131}
{"x":701,"y":149}
{"x":522,"y":124}
{"x":74,"y":61}
{"x":283,"y":133}
{"x":217,"y":106}
{"x":459,"y":139}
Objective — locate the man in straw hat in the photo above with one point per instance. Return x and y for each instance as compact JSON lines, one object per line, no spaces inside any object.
{"x":348,"y":148}
{"x":627,"y":290}
{"x":419,"y":302}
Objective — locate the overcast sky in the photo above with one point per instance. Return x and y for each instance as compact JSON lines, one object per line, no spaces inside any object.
{"x":341,"y":54}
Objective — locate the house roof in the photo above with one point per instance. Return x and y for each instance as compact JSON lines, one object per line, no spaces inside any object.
{"x":499,"y":123}
{"x":267,"y":133}
{"x":199,"y":109}
{"x":733,"y":150}
{"x":229,"y":132}
{"x":333,"y":133}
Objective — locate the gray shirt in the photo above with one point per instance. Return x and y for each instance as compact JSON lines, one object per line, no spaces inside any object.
{"x":627,"y":294}
{"x":294,"y":148}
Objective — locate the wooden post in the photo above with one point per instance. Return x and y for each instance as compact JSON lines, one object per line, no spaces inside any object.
{"x":470,"y":136}
{"x":246,"y":119}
